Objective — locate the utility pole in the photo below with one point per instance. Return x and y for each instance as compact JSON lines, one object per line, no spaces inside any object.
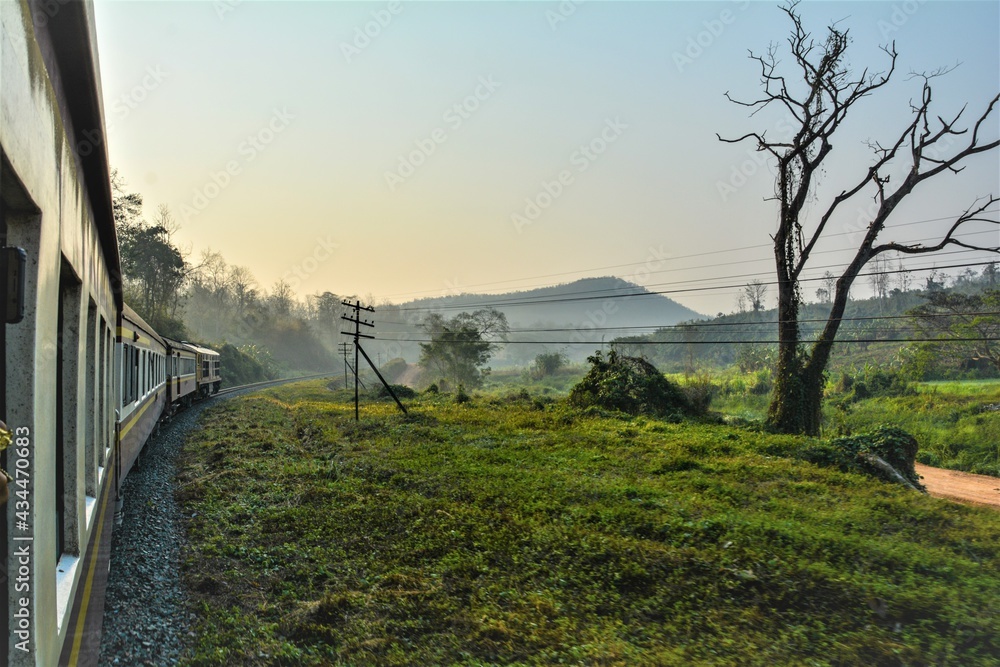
{"x":358,"y":323}
{"x":343,"y":348}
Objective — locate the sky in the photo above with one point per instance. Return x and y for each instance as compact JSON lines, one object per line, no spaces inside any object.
{"x":398,"y":150}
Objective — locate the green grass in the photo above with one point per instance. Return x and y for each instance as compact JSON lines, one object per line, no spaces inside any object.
{"x":955,"y":423}
{"x":557,"y":384}
{"x":504,"y":532}
{"x":951,"y":421}
{"x":963,"y":388}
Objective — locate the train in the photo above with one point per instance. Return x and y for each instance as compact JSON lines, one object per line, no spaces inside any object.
{"x":84,"y":381}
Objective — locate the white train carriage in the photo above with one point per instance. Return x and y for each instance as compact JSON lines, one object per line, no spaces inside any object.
{"x":207,"y":368}
{"x":57,"y":345}
{"x":182,"y":376}
{"x":142,"y":386}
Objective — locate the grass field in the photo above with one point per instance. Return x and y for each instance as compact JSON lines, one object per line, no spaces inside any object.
{"x":956,"y":423}
{"x":513,"y":531}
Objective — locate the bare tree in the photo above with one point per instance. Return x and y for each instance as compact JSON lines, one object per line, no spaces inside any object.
{"x":878,"y":278}
{"x":903,"y":278}
{"x":819,"y":98}
{"x":243,"y":285}
{"x":755,"y":293}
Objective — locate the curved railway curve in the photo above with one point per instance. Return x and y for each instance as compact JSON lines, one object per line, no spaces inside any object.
{"x":146,"y":620}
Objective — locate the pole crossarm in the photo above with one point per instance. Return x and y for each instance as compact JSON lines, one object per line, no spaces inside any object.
{"x":357,"y":336}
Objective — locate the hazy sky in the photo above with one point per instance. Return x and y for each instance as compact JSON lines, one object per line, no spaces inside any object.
{"x":424,"y":148}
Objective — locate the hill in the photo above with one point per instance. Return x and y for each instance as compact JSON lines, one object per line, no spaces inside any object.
{"x":564,"y":317}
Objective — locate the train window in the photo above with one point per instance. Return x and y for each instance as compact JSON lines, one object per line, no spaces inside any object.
{"x":134,"y":390}
{"x":126,"y":374}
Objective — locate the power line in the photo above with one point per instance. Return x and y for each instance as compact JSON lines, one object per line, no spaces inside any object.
{"x":695,"y":326}
{"x":707,"y":342}
{"x":689,"y":256}
{"x":539,"y":300}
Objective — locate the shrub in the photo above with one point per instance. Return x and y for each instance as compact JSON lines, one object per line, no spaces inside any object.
{"x":699,"y":391}
{"x":870,"y":381}
{"x":628,"y":384}
{"x":401,"y":391}
{"x":460,"y":395}
{"x":890,"y":443}
{"x":433,"y":389}
{"x":393,"y":369}
{"x":548,"y":363}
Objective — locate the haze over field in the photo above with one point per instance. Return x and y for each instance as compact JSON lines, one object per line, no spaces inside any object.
{"x":409,"y":150}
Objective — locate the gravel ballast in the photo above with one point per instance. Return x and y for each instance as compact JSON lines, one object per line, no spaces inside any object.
{"x":146,"y":618}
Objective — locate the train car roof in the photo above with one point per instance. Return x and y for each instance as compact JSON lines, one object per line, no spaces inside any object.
{"x":69,"y":50}
{"x":190,"y":347}
{"x":178,"y":345}
{"x":131,"y":316}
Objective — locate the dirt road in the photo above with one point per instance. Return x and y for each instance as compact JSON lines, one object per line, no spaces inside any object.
{"x":961,"y":486}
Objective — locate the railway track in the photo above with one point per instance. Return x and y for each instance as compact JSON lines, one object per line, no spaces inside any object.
{"x":270,"y":383}
{"x":146,"y":619}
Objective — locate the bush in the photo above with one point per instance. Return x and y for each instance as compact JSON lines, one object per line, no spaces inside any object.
{"x":890,"y":443}
{"x":460,"y":395}
{"x":393,"y":369}
{"x":628,"y":384}
{"x":548,"y":363}
{"x":244,"y":365}
{"x":401,"y":391}
{"x":700,"y":391}
{"x":869,"y":382}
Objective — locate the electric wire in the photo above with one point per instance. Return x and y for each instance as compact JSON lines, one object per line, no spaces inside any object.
{"x":688,"y":256}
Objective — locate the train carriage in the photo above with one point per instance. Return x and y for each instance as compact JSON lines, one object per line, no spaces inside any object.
{"x":208,"y":377}
{"x":142,"y":393}
{"x":84,"y":380}
{"x":57,"y":344}
{"x":182,"y":376}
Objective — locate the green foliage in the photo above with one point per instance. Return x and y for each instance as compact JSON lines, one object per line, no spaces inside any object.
{"x":460,"y":396}
{"x":892,"y":444}
{"x":394,"y":368}
{"x":432,"y":389}
{"x":868,"y":382}
{"x":970,"y":322}
{"x":547,"y":363}
{"x":629,"y":384}
{"x":401,"y":391}
{"x":244,"y":365}
{"x":953,"y":422}
{"x":461,"y":347}
{"x":497,"y":533}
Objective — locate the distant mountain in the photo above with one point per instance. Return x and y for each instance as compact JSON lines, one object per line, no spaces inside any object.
{"x":597,"y":301}
{"x":583,"y":311}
